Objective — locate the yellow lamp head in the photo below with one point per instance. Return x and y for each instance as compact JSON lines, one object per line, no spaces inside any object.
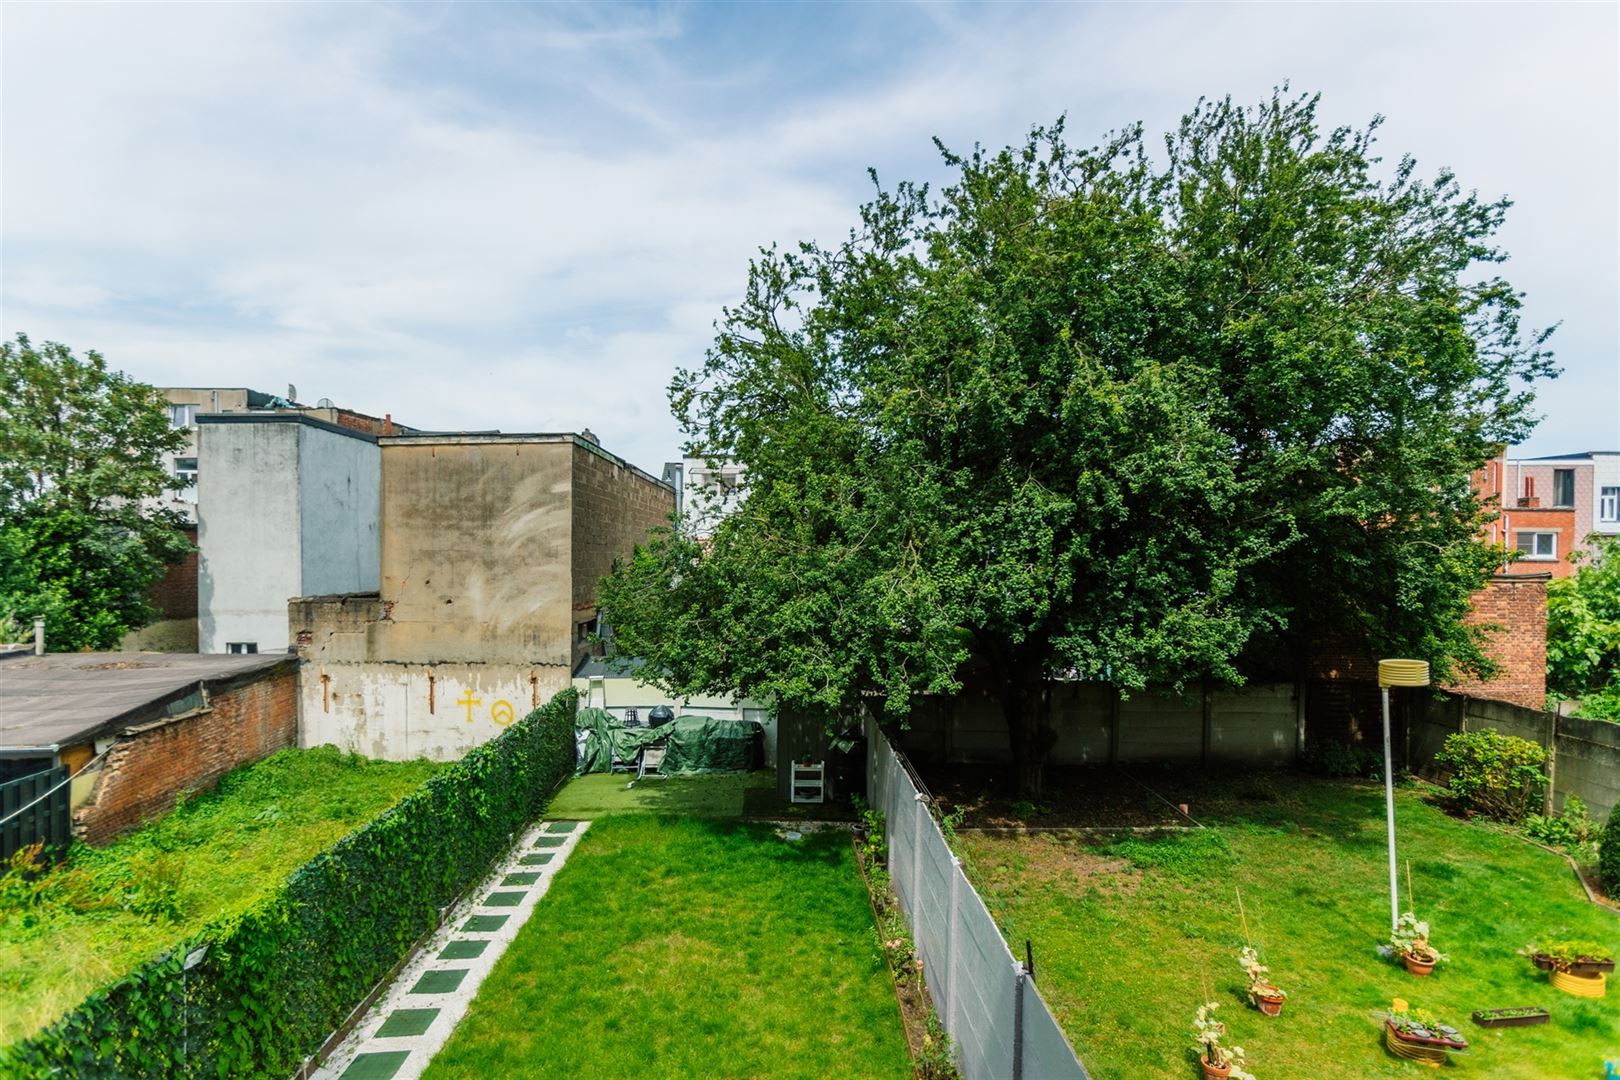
{"x":1403,"y":673}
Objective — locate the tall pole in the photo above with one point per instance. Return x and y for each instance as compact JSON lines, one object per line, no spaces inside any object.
{"x":1389,"y":814}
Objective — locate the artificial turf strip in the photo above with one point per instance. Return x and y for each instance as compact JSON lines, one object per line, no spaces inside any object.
{"x":504,"y":899}
{"x":685,"y":948}
{"x":484,"y":924}
{"x":550,"y":841}
{"x":406,"y":1022}
{"x":439,"y":982}
{"x":1131,"y":935}
{"x":375,"y":1066}
{"x":561,"y":827}
{"x":523,"y":877}
{"x":536,"y":859}
{"x":463,"y":950}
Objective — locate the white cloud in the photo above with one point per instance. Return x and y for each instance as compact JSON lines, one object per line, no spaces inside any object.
{"x":519,"y":217}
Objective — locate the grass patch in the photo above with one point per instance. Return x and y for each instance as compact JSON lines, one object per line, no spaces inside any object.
{"x":720,"y":795}
{"x":689,"y":948}
{"x":1131,"y":935}
{"x":108,"y":909}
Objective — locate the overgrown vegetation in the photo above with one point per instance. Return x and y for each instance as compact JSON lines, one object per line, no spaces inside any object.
{"x":1583,"y":633}
{"x":1609,"y":855}
{"x":684,"y":948}
{"x":66,"y":931}
{"x":1127,"y":946}
{"x":1493,"y":774}
{"x":267,"y":982}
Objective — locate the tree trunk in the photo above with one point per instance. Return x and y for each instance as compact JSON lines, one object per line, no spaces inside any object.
{"x":1026,"y":702}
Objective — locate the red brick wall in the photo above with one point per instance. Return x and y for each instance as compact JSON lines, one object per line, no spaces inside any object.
{"x":1541,"y":519}
{"x":175,"y":593}
{"x":1519,"y":607}
{"x":145,"y":772}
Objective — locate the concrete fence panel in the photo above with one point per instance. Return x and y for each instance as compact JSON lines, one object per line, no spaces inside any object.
{"x":998,"y":1024}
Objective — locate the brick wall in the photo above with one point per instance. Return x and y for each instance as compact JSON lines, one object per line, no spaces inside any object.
{"x":147,"y":770}
{"x":1519,"y":607}
{"x":175,"y":593}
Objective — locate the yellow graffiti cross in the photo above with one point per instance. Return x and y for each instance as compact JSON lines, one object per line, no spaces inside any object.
{"x":470,"y":702}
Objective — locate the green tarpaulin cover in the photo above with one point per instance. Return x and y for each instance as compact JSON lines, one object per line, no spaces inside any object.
{"x":696,"y":744}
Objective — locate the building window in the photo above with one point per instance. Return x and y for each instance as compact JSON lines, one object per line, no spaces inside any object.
{"x":1563,"y":487}
{"x":1537,"y":545}
{"x":182,"y":416}
{"x":239,"y":647}
{"x":185,"y":468}
{"x":1609,"y":504}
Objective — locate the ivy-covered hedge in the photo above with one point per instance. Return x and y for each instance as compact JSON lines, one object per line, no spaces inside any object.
{"x":277,"y":979}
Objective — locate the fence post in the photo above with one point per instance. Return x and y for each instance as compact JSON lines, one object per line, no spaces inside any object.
{"x":951,"y":934}
{"x":916,"y":854}
{"x":1552,"y":762}
{"x":1018,"y":1020}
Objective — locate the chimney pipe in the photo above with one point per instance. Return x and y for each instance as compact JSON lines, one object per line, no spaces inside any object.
{"x":39,"y":635}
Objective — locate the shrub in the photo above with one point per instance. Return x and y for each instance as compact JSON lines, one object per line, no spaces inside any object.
{"x":1609,"y":855}
{"x":1572,"y":828}
{"x":277,"y":979}
{"x":1492,"y":774}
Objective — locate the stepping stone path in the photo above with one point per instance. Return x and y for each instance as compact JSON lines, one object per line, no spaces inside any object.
{"x":427,"y":999}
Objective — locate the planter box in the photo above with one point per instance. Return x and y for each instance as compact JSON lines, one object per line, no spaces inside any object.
{"x":1496,"y":1018}
{"x":1583,"y":966}
{"x":1436,"y":1042}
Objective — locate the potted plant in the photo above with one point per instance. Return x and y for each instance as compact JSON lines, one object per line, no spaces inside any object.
{"x":1410,"y":940}
{"x":1575,"y":967}
{"x":1218,"y":1062}
{"x":1419,"y":1035}
{"x":1266,"y":995}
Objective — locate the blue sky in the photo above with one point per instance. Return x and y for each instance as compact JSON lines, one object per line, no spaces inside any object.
{"x":526,"y":217}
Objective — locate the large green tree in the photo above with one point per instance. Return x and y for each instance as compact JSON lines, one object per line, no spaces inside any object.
{"x":1583,"y":632}
{"x":81,"y":465}
{"x":1098,"y":414}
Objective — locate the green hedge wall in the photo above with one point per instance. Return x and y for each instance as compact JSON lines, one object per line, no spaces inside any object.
{"x":277,"y":979}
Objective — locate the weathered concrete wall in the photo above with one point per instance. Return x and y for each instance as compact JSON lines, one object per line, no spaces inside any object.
{"x":476,"y":551}
{"x":404,"y":711}
{"x":339,"y":481}
{"x":149,"y":767}
{"x":286,"y":507}
{"x":248,"y":532}
{"x":614,"y":509}
{"x":1585,"y":753}
{"x":1251,"y":725}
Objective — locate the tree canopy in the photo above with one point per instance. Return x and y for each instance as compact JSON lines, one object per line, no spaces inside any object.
{"x":81,"y":459}
{"x":1098,"y":414}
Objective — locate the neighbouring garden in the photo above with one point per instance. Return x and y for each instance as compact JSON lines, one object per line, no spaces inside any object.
{"x":106,"y":910}
{"x":679,"y":947}
{"x":1134,"y":930}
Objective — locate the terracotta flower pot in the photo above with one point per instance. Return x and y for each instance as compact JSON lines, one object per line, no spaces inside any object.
{"x":1214,"y":1072}
{"x":1420,"y":962}
{"x":1270,"y":1004}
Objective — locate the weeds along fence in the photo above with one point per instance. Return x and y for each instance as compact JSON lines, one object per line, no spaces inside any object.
{"x":999,"y":1025}
{"x":257,"y":993}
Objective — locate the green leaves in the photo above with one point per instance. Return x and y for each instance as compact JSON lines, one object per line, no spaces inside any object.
{"x":1083,"y":415}
{"x":1583,"y":632}
{"x":278,"y":978}
{"x":80,"y":448}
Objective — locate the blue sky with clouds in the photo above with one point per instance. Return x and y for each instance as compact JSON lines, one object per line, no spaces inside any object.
{"x":526,"y":217}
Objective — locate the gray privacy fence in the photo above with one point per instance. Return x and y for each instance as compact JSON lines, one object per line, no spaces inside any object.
{"x":1584,"y":755}
{"x":34,"y":809}
{"x":998,"y":1023}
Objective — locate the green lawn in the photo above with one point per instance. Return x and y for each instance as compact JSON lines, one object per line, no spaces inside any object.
{"x":108,"y":909}
{"x":1131,"y":935}
{"x":678,"y":947}
{"x":719,"y":795}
